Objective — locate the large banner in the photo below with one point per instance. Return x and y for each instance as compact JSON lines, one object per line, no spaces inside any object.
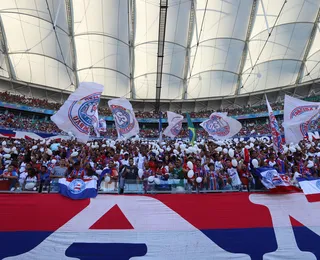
{"x":174,"y":124}
{"x":80,"y":111}
{"x":171,"y":227}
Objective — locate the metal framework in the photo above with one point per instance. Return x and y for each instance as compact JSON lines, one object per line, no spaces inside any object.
{"x":161,"y":42}
{"x":131,"y":32}
{"x":4,"y":44}
{"x":188,"y":51}
{"x":71,"y":35}
{"x":307,"y":51}
{"x":246,"y":46}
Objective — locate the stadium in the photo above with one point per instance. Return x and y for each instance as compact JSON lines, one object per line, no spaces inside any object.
{"x":159,"y":129}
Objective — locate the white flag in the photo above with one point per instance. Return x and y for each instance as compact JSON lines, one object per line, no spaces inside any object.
{"x":80,"y":111}
{"x":174,"y":124}
{"x":125,"y":120}
{"x":297,"y":128}
{"x":221,"y":127}
{"x":102,"y":125}
{"x":293,"y":108}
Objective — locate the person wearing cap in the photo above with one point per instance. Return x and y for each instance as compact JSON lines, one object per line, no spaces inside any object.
{"x":125,"y":160}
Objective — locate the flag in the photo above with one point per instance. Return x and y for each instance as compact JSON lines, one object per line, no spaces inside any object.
{"x":220,"y":126}
{"x":174,"y":124}
{"x":275,"y":132}
{"x":102,"y":125}
{"x":80,"y":111}
{"x":160,"y":127}
{"x":293,"y":109}
{"x":310,"y":187}
{"x":297,"y":128}
{"x":124,"y":118}
{"x":274,"y":181}
{"x":192,"y":130}
{"x":78,"y":189}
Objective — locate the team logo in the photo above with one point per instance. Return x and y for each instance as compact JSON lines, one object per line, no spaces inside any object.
{"x":302,"y":109}
{"x":83,"y":113}
{"x":76,"y":186}
{"x":175,"y":130}
{"x":216,"y":125}
{"x":123,"y":119}
{"x":311,"y":123}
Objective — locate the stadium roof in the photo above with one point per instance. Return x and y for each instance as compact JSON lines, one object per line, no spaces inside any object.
{"x":212,"y":48}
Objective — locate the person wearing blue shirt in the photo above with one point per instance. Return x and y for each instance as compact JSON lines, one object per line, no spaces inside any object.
{"x":44,"y":177}
{"x":12,"y":176}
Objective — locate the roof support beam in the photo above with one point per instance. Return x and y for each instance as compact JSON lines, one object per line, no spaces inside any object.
{"x":70,"y":19}
{"x":245,"y":52}
{"x":131,"y":32}
{"x":188,"y":51}
{"x":308,"y":47}
{"x":161,"y":42}
{"x":4,"y":45}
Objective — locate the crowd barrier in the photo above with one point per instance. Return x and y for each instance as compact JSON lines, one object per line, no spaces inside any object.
{"x":171,"y":186}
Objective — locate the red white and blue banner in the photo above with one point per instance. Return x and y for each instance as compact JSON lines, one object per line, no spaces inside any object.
{"x":275,"y":131}
{"x":174,"y":124}
{"x":80,"y":111}
{"x":172,"y":227}
{"x":125,"y":120}
{"x":78,"y":189}
{"x":309,"y":185}
{"x":219,"y":126}
{"x":274,"y":181}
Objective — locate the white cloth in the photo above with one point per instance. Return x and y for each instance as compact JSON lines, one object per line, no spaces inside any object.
{"x":174,"y":124}
{"x":220,"y":126}
{"x":125,"y":120}
{"x":80,"y":111}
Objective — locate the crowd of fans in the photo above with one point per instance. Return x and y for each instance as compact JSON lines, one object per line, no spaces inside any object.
{"x":105,"y":111}
{"x":205,"y":166}
{"x":14,"y":121}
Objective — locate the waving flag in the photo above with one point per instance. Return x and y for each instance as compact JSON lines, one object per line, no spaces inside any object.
{"x":299,"y":116}
{"x":125,"y":120}
{"x":297,"y":128}
{"x":274,"y":181}
{"x":220,"y":126}
{"x":310,"y":187}
{"x":174,"y":124}
{"x":102,"y":125}
{"x":192,"y":130}
{"x":78,"y":189}
{"x":275,"y":132}
{"x":80,"y":111}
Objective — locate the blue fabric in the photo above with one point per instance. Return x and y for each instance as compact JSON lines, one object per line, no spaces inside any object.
{"x":85,"y":194}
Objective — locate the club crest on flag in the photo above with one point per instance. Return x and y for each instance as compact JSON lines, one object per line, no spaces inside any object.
{"x":302,"y":109}
{"x":216,"y":125}
{"x":122,"y":119}
{"x":82,"y":113}
{"x":304,"y":127}
{"x":175,"y":130}
{"x":76,"y":186}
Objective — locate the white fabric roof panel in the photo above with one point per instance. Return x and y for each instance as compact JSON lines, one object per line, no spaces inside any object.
{"x":285,"y":48}
{"x":217,"y":63}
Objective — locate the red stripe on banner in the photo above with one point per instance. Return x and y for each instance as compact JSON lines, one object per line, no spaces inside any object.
{"x":219,"y":211}
{"x":37,"y":212}
{"x":313,"y":197}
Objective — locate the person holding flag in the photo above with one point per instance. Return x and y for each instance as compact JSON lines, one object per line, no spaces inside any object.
{"x":275,"y":132}
{"x":192,"y":130}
